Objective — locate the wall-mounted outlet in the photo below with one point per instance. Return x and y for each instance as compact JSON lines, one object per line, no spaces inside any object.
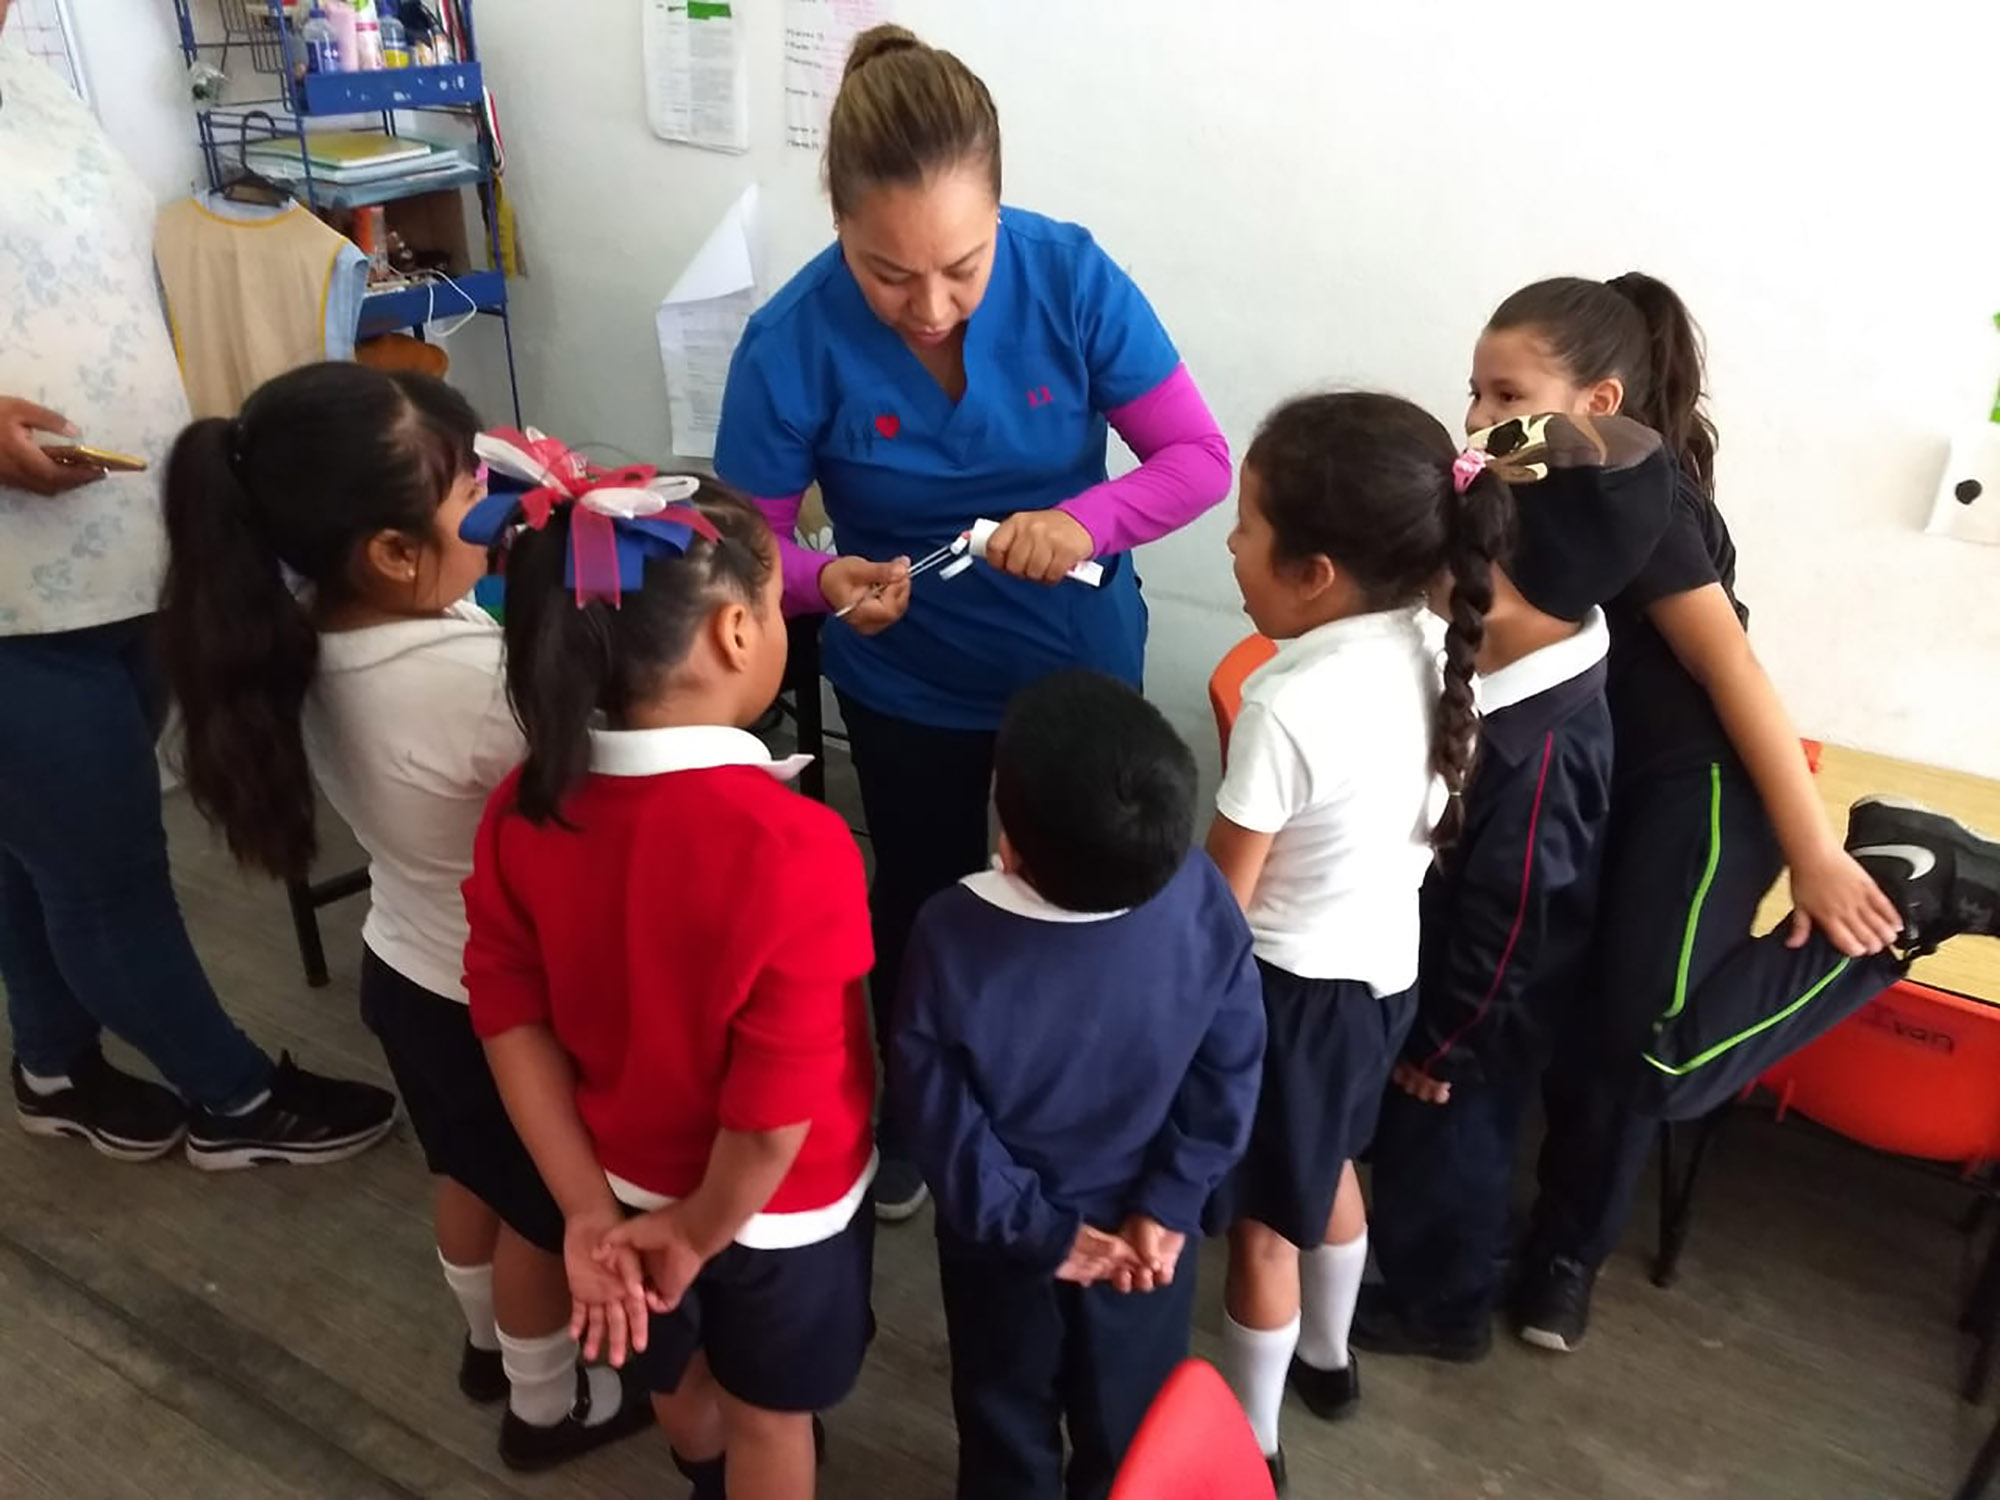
{"x":1967,"y":506}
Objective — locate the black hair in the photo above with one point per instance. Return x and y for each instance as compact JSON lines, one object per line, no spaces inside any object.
{"x":1366,"y":481}
{"x":1095,"y":792}
{"x":1635,"y":328}
{"x":568,"y":663}
{"x":320,"y":460}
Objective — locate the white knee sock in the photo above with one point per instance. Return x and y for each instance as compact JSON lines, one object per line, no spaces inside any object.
{"x":1254,"y":1362}
{"x":541,"y":1380}
{"x":473,"y":1287}
{"x":1329,"y":1286}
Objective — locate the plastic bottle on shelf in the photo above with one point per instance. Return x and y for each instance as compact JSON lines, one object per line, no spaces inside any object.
{"x":340,"y":19}
{"x":395,"y":46}
{"x":367,"y":37}
{"x":318,"y":42}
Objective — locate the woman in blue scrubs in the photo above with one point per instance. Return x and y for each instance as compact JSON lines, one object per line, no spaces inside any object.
{"x":948,"y":360}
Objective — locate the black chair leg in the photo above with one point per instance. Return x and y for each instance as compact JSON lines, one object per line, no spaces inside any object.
{"x":1985,"y":1465}
{"x":1981,"y":1319}
{"x":305,"y":923}
{"x":1677,"y":1192}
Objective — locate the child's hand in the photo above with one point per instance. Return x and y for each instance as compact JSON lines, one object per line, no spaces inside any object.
{"x":1834,"y":894}
{"x":608,"y":1308}
{"x":1420,"y":1085}
{"x":668,"y":1252}
{"x":1097,"y":1256}
{"x":1156,"y":1245}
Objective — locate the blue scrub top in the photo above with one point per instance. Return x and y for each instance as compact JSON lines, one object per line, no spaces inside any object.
{"x":821,"y":389}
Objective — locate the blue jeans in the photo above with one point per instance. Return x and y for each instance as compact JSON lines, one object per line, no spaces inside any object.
{"x":91,"y":937}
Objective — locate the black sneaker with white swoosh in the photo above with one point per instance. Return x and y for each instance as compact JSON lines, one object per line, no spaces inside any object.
{"x":1943,"y":876}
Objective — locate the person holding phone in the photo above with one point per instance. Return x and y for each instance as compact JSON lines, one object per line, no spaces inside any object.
{"x":950,"y":360}
{"x":91,"y":937}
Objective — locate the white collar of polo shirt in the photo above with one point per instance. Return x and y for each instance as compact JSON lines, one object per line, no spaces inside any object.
{"x":1551,"y":666}
{"x":1013,"y":894}
{"x":693,"y":747}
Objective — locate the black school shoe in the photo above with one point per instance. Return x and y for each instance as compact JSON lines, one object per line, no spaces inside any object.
{"x":122,"y":1117}
{"x":1281,"y":1482}
{"x":482,"y":1375}
{"x":1552,"y":1307}
{"x":1330,"y":1395}
{"x":526,"y":1448}
{"x":1943,"y":876}
{"x":307,"y":1120}
{"x":1381,"y":1327}
{"x":900,"y":1193}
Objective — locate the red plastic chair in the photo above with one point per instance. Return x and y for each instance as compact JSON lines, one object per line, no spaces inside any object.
{"x":1225,"y":683}
{"x":1195,"y":1444}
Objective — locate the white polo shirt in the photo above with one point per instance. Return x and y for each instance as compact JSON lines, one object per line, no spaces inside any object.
{"x":408,"y":731}
{"x":1331,"y":755}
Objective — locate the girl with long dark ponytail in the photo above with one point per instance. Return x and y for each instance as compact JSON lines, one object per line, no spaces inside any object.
{"x":1712,"y":795}
{"x":316,"y":633}
{"x":1346,"y":767}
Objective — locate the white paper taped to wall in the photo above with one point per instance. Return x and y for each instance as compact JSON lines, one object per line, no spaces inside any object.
{"x":697,"y":85}
{"x":700,"y":323}
{"x":1967,"y":506}
{"x":818,"y":34}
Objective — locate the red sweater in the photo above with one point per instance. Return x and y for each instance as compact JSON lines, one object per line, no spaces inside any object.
{"x":697,"y":941}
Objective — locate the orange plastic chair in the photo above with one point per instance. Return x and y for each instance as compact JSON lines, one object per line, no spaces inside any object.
{"x":1195,"y":1444}
{"x":1915,"y":1072}
{"x":1225,"y":683}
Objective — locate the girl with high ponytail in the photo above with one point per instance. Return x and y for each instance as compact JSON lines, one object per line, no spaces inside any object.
{"x":316,"y":634}
{"x":1346,"y":769}
{"x":1712,"y":796}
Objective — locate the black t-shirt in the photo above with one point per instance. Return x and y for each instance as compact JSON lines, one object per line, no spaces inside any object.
{"x":1661,"y":717}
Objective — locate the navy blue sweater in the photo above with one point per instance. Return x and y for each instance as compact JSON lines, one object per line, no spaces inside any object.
{"x":1052,"y":1070}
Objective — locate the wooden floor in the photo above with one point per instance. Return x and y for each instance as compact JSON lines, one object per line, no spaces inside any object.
{"x":285,"y":1333}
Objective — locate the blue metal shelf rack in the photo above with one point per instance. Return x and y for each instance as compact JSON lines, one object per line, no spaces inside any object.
{"x":260,"y":31}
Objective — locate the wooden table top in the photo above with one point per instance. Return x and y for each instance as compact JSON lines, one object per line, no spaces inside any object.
{"x":1968,"y":966}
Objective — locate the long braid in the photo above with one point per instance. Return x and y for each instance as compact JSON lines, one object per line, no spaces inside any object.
{"x":1480,"y":525}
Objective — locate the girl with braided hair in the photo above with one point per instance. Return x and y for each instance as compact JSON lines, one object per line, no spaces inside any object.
{"x":1345,"y":773}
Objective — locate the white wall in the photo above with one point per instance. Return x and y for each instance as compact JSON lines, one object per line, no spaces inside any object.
{"x":1340,"y":191}
{"x":131,"y":59}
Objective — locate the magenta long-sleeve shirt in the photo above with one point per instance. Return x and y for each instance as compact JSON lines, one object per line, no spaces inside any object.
{"x":1183,"y":470}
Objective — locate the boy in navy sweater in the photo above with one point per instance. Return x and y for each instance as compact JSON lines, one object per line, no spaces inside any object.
{"x":1077,"y":1059}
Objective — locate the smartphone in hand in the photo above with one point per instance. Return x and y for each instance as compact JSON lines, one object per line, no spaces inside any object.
{"x":82,"y":456}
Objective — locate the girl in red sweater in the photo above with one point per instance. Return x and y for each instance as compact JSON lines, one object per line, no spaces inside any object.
{"x":690,"y":1068}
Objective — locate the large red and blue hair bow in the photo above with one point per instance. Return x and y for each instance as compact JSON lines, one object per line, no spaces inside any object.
{"x":619,"y":518}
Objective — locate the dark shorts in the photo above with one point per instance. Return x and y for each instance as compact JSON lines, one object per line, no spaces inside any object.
{"x":454,"y":1107}
{"x":785,"y":1330}
{"x":1331,"y":1045}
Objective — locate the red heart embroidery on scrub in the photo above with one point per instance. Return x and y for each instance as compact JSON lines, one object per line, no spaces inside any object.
{"x":888,"y":425}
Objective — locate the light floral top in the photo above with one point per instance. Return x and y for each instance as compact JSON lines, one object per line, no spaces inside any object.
{"x":81,"y":332}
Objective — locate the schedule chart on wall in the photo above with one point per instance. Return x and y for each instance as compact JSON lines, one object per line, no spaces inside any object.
{"x":45,"y":25}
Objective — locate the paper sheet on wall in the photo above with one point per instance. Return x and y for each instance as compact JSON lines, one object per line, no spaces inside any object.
{"x":818,"y":34}
{"x":701,"y":321}
{"x":697,"y":87}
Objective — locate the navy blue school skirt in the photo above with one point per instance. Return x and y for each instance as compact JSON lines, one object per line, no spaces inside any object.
{"x":1330,"y":1047}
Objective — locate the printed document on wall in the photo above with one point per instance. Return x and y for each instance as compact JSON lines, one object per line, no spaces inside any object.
{"x":818,"y":34}
{"x":697,"y":83}
{"x":700,"y":323}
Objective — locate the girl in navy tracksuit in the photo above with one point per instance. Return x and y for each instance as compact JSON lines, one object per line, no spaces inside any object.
{"x":1711,"y":798}
{"x":1507,"y":912}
